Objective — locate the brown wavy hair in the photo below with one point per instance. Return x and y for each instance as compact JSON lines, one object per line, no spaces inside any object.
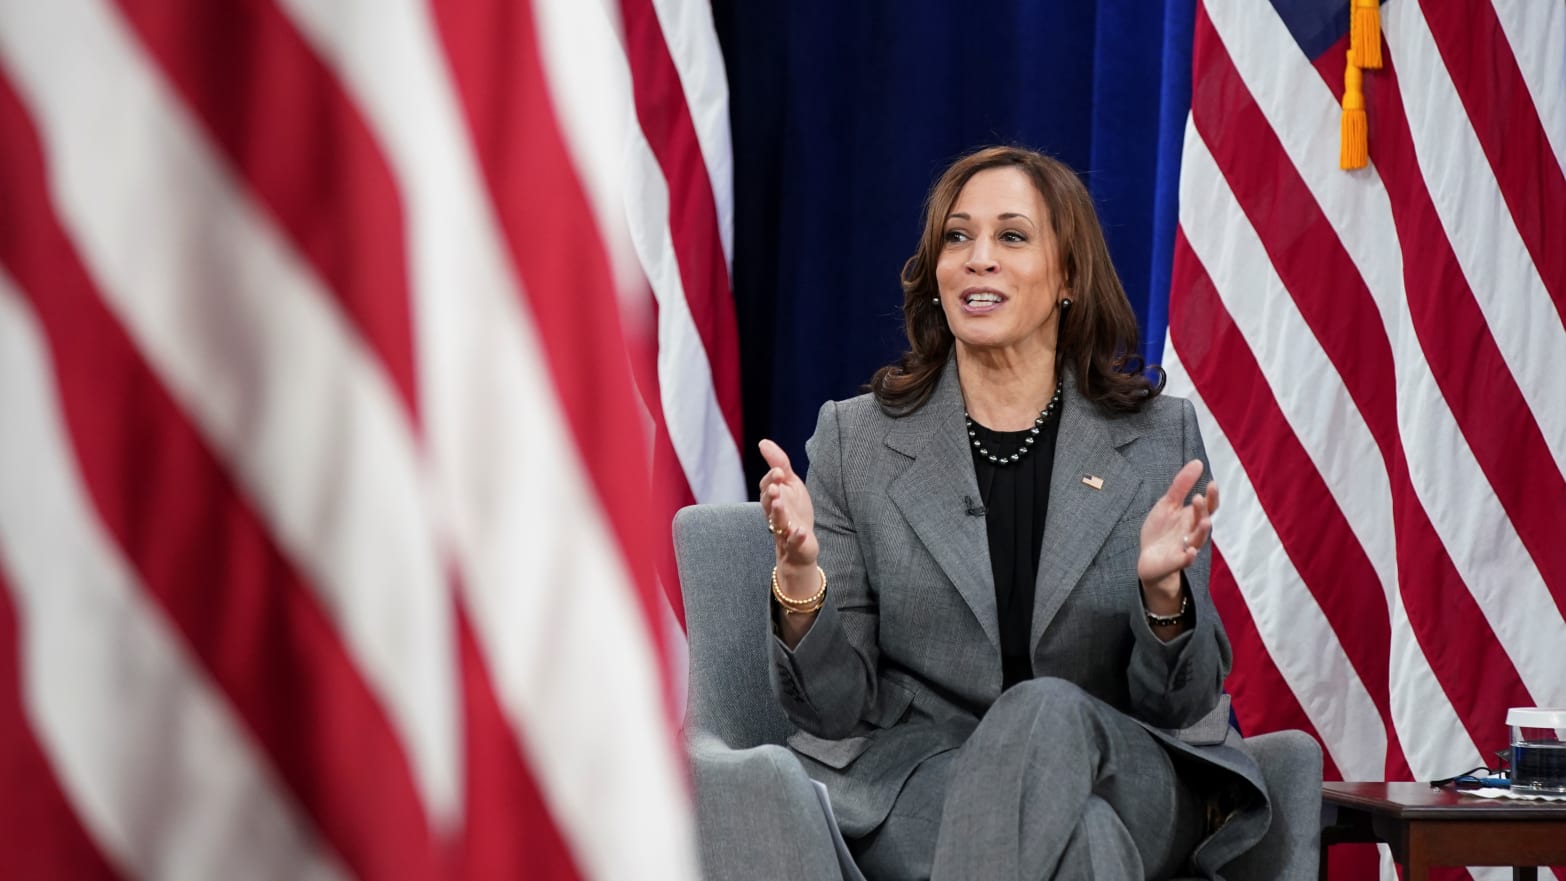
{"x":1097,"y":333}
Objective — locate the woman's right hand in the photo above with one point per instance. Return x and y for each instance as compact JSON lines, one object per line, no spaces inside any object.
{"x":786,"y":503}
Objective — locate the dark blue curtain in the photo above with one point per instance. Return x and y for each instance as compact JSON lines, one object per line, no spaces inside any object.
{"x":844,"y":113}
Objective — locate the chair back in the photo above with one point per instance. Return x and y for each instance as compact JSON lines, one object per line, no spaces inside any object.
{"x":725,"y":559}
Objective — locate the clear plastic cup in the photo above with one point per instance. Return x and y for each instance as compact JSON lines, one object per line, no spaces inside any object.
{"x":1538,"y":749}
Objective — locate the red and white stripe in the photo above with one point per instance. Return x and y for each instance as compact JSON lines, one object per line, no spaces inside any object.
{"x":680,"y":216}
{"x":1371,"y":354}
{"x":99,"y":660}
{"x":326,"y":546}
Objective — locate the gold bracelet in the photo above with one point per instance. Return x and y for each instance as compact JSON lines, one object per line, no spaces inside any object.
{"x":792,"y":606}
{"x":809,"y":604}
{"x":807,"y":610}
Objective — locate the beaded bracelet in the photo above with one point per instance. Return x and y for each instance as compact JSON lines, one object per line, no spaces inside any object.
{"x":806,"y":606}
{"x":1170,"y":620}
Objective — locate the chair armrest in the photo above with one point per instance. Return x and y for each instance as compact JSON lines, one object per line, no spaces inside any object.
{"x":1290,"y":763}
{"x":758,"y":815}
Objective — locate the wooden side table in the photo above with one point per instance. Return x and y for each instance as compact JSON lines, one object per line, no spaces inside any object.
{"x":1440,"y":827}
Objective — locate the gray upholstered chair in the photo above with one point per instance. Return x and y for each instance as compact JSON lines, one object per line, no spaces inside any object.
{"x":758,"y":815}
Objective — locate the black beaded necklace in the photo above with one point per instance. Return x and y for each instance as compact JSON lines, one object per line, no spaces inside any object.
{"x":1027,"y":442}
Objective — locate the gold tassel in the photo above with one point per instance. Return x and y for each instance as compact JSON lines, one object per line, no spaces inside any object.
{"x":1354,"y":146}
{"x":1365,"y":34}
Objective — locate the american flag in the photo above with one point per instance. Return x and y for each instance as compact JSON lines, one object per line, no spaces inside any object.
{"x":1375,"y":355}
{"x":335,"y":342}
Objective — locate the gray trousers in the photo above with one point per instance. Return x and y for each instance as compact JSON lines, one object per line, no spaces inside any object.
{"x":1054,"y":785}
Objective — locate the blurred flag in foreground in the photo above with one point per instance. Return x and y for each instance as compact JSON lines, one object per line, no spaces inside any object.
{"x":327,"y":544}
{"x":1376,"y":357}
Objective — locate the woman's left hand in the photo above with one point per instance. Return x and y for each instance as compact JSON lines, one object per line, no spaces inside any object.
{"x":1174,"y":531}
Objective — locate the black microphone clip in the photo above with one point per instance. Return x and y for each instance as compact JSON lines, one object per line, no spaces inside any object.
{"x":973,"y":507}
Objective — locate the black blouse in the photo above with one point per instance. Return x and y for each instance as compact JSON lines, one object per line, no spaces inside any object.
{"x":1016,"y":501}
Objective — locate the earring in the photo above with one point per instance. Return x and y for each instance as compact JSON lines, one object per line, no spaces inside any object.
{"x":1066,"y":303}
{"x":935,"y":300}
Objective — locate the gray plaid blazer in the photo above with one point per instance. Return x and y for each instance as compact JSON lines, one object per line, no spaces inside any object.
{"x":905,"y":656}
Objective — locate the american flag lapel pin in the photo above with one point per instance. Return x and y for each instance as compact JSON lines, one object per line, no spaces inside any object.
{"x":1094,"y":481}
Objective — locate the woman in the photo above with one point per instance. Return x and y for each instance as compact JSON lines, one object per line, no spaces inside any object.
{"x":991,"y":602}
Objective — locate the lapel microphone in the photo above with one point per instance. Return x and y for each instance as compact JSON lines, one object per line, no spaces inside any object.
{"x":972,"y":506}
